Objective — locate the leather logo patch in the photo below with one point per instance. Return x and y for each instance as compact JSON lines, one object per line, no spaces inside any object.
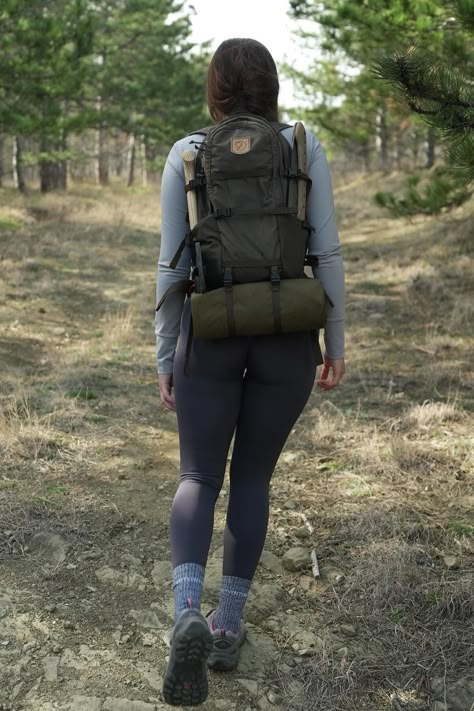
{"x":240,"y":144}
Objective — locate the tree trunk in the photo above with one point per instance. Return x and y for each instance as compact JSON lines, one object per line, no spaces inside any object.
{"x":400,"y":149}
{"x":52,"y":174}
{"x":2,"y":169}
{"x":131,"y":160}
{"x":143,"y":158}
{"x":18,"y":168}
{"x":382,"y":140}
{"x":101,"y":150}
{"x":365,"y":152}
{"x":118,"y":156}
{"x":430,"y":148}
{"x":415,"y":150}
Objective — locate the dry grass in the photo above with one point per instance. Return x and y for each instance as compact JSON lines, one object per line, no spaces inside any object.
{"x":385,"y":465}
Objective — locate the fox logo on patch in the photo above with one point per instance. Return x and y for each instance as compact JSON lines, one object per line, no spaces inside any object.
{"x":240,"y":144}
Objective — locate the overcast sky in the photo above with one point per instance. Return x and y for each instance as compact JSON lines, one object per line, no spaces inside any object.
{"x":264,"y":20}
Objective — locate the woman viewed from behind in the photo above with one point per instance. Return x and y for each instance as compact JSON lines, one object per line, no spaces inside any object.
{"x":253,"y":387}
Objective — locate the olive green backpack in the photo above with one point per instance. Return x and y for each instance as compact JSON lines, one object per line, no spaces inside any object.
{"x":246,"y":190}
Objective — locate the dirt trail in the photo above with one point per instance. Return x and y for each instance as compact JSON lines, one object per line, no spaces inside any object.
{"x":376,"y":477}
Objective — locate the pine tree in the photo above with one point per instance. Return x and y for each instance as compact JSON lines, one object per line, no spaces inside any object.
{"x":441,"y":92}
{"x":70,"y":67}
{"x":352,"y":33}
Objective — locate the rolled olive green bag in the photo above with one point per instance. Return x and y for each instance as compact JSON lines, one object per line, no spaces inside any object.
{"x":259,"y":309}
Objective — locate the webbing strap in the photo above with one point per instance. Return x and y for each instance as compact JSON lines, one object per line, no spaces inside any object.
{"x":189,"y":346}
{"x":197,"y":183}
{"x":276,"y":300}
{"x":231,"y":211}
{"x":182,"y":286}
{"x":177,"y":256}
{"x":229,"y":300}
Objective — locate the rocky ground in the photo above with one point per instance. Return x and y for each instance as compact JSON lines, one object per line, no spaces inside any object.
{"x":376,"y":479}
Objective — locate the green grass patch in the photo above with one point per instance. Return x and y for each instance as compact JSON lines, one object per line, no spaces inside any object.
{"x":96,"y":419}
{"x":460,"y":528}
{"x":56,"y":489}
{"x":10,"y":223}
{"x":81,"y":394}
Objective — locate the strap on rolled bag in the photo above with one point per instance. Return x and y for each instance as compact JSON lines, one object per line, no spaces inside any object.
{"x":259,"y":308}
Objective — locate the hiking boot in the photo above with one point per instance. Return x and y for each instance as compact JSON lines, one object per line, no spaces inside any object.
{"x":185,"y":682}
{"x":226,"y":646}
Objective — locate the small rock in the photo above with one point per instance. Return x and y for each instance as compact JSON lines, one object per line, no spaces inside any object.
{"x":250,"y":685}
{"x":162,"y":574}
{"x":49,"y":546}
{"x":332,"y":575}
{"x":148,"y":640}
{"x":111,"y":704}
{"x":59,"y":331}
{"x":342,"y":652}
{"x":296,"y":688}
{"x":296,"y":559}
{"x":68,"y":625}
{"x":51,"y":608}
{"x":131,"y":561}
{"x":90,"y":555}
{"x":450,"y":561}
{"x":348,"y":630}
{"x":272,"y":625}
{"x":146,"y":619}
{"x":290,"y":505}
{"x":274,"y":698}
{"x":51,"y":666}
{"x":264,"y":600}
{"x":259,"y":653}
{"x":166,"y":637}
{"x":121,"y":578}
{"x":292,"y":457}
{"x":16,"y":689}
{"x":306,"y":643}
{"x":271,"y":562}
{"x":460,"y":694}
{"x":307,"y":583}
{"x":220,"y":705}
{"x":85,"y":703}
{"x":302,"y":532}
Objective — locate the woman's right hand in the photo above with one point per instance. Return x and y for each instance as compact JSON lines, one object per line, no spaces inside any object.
{"x":332,"y":373}
{"x":165,"y":381}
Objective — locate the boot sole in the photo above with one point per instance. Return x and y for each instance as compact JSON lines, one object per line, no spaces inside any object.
{"x":185,"y":682}
{"x":222,"y":662}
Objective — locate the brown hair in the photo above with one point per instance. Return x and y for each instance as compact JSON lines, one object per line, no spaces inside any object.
{"x":242,"y":78}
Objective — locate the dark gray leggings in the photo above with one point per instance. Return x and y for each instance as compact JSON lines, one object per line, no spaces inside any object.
{"x":257,"y":388}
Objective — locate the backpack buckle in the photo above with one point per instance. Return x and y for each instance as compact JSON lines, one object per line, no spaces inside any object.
{"x":223,"y":212}
{"x":228,"y":279}
{"x":275,"y":278}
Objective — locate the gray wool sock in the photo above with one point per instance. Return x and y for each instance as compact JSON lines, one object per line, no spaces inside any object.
{"x":232,"y":599}
{"x":188,"y":581}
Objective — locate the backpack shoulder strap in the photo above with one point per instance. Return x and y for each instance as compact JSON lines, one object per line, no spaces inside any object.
{"x":201,"y":131}
{"x":280,"y":126}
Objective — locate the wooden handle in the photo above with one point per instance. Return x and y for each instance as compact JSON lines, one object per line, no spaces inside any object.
{"x":300,"y":140}
{"x":189,"y":162}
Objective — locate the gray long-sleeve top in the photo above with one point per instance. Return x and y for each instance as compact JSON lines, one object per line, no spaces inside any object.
{"x":324,"y":243}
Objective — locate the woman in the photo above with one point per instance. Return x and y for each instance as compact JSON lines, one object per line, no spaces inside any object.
{"x":253,"y":387}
